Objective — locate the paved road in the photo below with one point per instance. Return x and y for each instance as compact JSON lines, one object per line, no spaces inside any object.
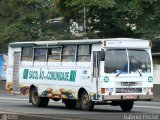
{"x":20,"y":106}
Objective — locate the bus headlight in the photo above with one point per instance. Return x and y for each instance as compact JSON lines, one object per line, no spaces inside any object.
{"x":111,"y":89}
{"x":110,"y":93}
{"x":107,"y":91}
{"x":147,"y":91}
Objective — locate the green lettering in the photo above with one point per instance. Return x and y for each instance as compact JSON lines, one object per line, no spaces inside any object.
{"x":25,"y":74}
{"x":41,"y":76}
{"x":30,"y":74}
{"x":73,"y":75}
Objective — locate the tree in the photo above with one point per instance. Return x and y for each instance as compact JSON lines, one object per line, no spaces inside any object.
{"x":29,"y":20}
{"x":22,"y":20}
{"x":115,"y":18}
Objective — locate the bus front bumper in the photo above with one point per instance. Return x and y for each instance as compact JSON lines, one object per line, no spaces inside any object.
{"x":127,"y":97}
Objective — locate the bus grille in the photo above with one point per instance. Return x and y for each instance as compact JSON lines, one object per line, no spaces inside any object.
{"x":128,"y":90}
{"x":131,"y":83}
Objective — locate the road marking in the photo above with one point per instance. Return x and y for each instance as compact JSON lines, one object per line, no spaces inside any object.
{"x":152,"y":107}
{"x":20,"y":99}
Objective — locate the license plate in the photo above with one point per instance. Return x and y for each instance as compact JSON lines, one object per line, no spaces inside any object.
{"x":130,"y":97}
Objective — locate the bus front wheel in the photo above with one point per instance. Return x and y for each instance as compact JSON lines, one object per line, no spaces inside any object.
{"x":126,"y":106}
{"x":86,"y":103}
{"x":38,"y":101}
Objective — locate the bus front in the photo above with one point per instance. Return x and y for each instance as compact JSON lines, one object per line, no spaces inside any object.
{"x":127,"y":74}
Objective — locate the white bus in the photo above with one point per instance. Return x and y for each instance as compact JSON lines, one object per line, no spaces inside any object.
{"x":82,"y":73}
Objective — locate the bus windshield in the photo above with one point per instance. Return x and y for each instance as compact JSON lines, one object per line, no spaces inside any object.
{"x":127,"y":61}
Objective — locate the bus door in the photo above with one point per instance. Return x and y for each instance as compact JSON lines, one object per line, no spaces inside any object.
{"x":16,"y":72}
{"x":96,"y":73}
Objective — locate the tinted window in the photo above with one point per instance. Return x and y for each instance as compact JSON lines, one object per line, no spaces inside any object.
{"x":139,"y":61}
{"x":68,"y":53}
{"x":40,"y":54}
{"x":27,"y":54}
{"x":84,"y":53}
{"x":54,"y":54}
{"x":115,"y":60}
{"x":127,"y":61}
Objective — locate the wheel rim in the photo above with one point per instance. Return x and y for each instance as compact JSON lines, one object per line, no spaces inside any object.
{"x":85,"y":100}
{"x":35,"y":97}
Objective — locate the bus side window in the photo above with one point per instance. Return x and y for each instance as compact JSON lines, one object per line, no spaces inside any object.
{"x":27,"y":53}
{"x":68,"y":53}
{"x":84,"y":53}
{"x":54,"y":54}
{"x":40,"y":54}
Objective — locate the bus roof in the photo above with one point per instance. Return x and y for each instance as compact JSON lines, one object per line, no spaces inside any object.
{"x":65,"y":42}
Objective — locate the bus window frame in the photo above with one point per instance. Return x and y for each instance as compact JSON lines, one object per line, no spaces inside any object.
{"x":45,"y":60}
{"x":60,"y":54}
{"x":32,"y":54}
{"x":68,"y":60}
{"x":83,"y":55}
{"x":60,"y":62}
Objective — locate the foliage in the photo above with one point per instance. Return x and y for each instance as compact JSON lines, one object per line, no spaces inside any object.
{"x":115,"y":18}
{"x":29,"y":20}
{"x":22,"y":20}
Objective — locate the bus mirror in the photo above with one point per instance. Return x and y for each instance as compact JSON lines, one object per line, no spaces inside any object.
{"x":102,"y":55}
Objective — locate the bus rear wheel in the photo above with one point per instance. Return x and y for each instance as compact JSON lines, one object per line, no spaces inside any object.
{"x":126,"y":106}
{"x":38,"y":101}
{"x":86,"y":103}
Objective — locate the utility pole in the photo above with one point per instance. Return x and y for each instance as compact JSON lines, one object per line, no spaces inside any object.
{"x":84,"y":21}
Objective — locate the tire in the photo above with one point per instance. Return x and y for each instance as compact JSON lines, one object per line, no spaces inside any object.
{"x":78,"y":104}
{"x":126,"y":106}
{"x":44,"y":101}
{"x":38,"y":101}
{"x":86,"y":103}
{"x":70,"y":104}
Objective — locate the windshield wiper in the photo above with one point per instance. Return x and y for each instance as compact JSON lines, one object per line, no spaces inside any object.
{"x":119,"y":73}
{"x":139,"y":73}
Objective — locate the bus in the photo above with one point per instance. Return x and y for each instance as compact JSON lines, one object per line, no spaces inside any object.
{"x":82,"y":73}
